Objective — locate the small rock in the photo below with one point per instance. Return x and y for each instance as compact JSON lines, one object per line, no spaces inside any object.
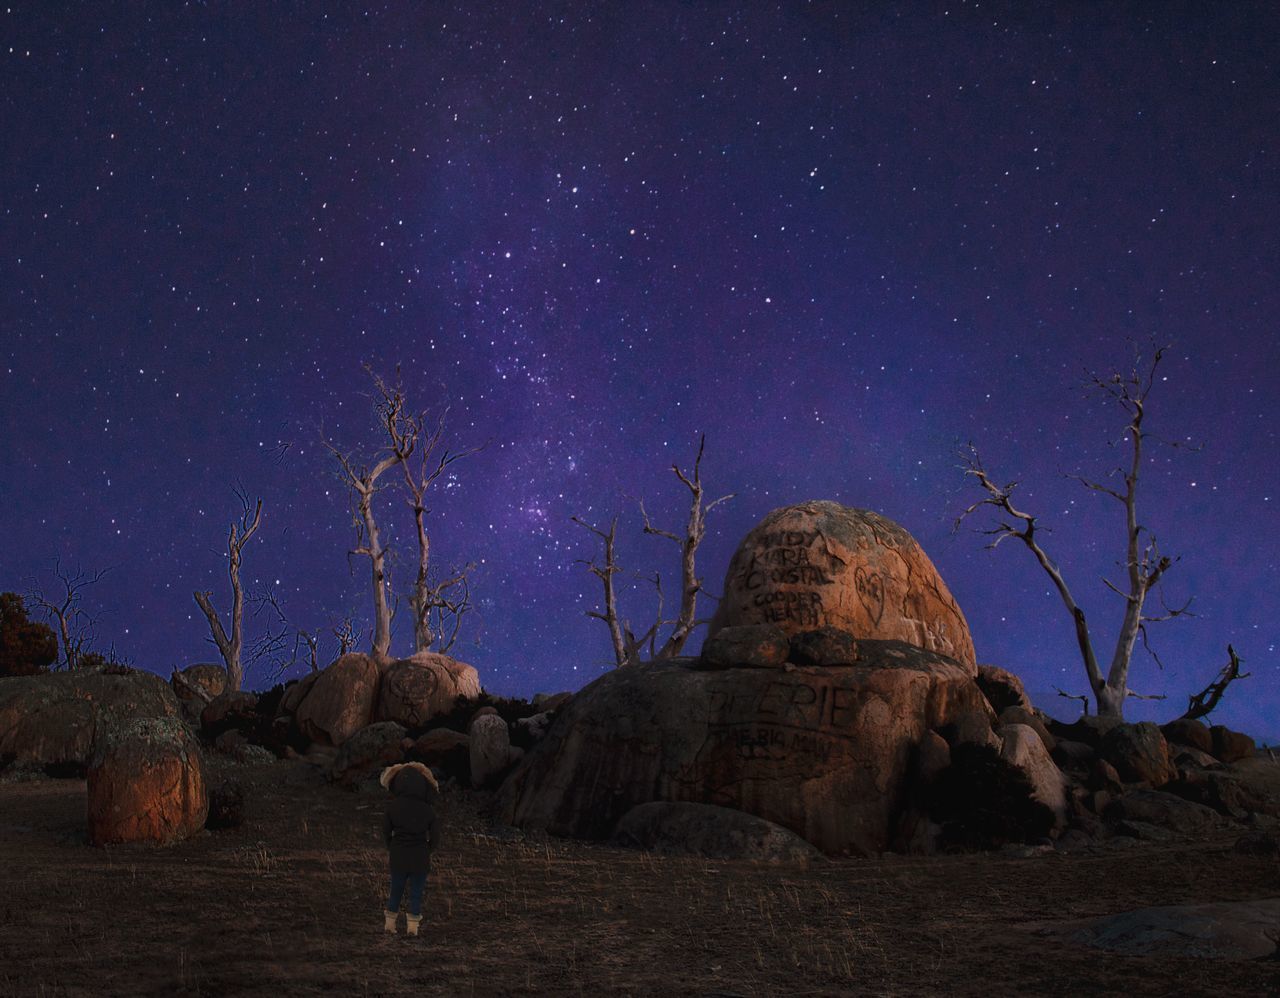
{"x":1002,"y":688}
{"x":826,"y":647}
{"x":745,"y":646}
{"x":1231,"y":746}
{"x":1190,"y":732}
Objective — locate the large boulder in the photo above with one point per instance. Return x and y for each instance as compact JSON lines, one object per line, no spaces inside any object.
{"x":1231,"y":746}
{"x":1023,"y":746}
{"x":147,"y":784}
{"x":365,"y":753}
{"x":671,"y":828}
{"x":340,"y":701}
{"x":446,"y":750}
{"x":489,"y":741}
{"x":197,"y":685}
{"x":427,"y":685}
{"x":231,"y":710}
{"x":296,"y":692}
{"x":823,"y":752}
{"x":820,"y":564}
{"x":1139,"y":753}
{"x":54,"y":720}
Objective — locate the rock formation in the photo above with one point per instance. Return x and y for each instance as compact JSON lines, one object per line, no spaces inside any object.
{"x":55,"y":719}
{"x":823,"y":752}
{"x":819,"y":563}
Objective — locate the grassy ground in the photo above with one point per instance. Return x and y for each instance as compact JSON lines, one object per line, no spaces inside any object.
{"x":290,"y":904}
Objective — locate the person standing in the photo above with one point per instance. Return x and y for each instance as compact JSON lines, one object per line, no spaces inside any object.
{"x":411,"y":830}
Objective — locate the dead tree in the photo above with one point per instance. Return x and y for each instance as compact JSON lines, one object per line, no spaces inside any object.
{"x":446,"y":600}
{"x":362,"y":479}
{"x":231,"y":647}
{"x":1145,"y":565}
{"x":626,"y":645}
{"x":1200,"y":704}
{"x":75,"y":625}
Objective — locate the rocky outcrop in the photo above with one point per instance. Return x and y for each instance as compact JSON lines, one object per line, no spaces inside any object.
{"x":146,"y":784}
{"x":54,"y":720}
{"x":714,"y":832}
{"x":824,"y":753}
{"x":819,"y":564}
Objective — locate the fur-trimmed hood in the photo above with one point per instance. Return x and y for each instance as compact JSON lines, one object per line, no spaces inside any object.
{"x":390,"y":773}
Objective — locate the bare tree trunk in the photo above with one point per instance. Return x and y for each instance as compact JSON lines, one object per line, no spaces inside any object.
{"x":231,"y":647}
{"x":402,"y":432}
{"x":695,"y":530}
{"x":605,"y":573}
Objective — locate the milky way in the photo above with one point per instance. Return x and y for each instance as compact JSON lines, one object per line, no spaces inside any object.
{"x":840,"y":243}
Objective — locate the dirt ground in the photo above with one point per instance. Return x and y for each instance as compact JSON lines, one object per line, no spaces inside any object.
{"x":291,"y":904}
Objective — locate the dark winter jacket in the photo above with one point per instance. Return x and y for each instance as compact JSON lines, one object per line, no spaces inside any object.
{"x":412,"y":826}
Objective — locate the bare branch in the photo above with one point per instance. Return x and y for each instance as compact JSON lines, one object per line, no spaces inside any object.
{"x":1083,"y":698}
{"x":1202,"y":703}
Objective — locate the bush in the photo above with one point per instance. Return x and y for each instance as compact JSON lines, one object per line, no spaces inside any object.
{"x":982,"y":802}
{"x":226,"y":806}
{"x":27,"y":647}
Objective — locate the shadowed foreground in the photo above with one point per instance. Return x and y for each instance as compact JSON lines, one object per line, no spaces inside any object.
{"x":291,"y":902}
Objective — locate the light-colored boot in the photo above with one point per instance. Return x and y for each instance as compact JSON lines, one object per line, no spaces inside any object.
{"x":389,"y":922}
{"x":411,"y":923}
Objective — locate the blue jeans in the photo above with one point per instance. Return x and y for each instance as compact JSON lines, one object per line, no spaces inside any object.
{"x":416,"y":881}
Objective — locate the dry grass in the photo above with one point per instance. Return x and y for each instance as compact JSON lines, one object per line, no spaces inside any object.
{"x":290,"y":904}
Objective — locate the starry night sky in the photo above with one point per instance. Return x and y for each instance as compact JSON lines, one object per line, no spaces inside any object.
{"x":840,"y":242}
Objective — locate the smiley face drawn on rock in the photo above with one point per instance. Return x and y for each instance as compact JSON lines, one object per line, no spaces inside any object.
{"x":870,"y":588}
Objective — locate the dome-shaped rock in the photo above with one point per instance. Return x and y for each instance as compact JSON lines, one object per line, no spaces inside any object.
{"x":819,"y":564}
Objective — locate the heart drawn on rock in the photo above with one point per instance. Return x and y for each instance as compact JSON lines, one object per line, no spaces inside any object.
{"x":871,"y":592}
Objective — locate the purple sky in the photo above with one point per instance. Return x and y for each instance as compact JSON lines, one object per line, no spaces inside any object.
{"x":839,"y":242}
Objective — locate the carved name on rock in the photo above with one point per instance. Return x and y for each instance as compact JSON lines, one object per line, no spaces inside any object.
{"x":825,"y":753}
{"x":820,"y":564}
{"x":415,"y":690}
